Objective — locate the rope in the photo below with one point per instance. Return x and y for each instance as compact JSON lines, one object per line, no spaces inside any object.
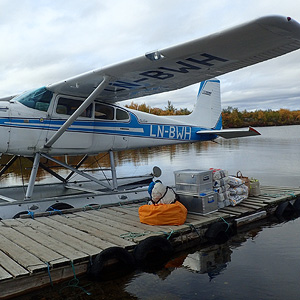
{"x":228,"y":226}
{"x":170,"y":234}
{"x":31,"y":214}
{"x":132,"y":235}
{"x":54,"y":210}
{"x":287,"y":193}
{"x":48,"y":267}
{"x":192,"y":226}
{"x":74,"y":283}
{"x":92,"y":207}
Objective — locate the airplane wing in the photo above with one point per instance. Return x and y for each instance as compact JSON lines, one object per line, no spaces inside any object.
{"x":231,"y":133}
{"x":185,"y":64}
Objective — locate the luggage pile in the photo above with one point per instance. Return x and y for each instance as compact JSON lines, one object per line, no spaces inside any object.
{"x":221,"y":186}
{"x":195,"y":190}
{"x":232,"y":190}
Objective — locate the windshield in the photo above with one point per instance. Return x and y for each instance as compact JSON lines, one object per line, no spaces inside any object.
{"x":38,"y":99}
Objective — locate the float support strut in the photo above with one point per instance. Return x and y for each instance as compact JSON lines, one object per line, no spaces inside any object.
{"x":113,"y":170}
{"x":32,"y":178}
{"x":83,"y":174}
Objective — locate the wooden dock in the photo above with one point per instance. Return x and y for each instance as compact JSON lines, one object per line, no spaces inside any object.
{"x":37,"y":252}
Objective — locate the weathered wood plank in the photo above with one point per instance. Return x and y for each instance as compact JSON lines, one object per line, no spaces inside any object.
{"x":4,"y":275}
{"x":249,"y":205}
{"x":78,"y":234}
{"x":77,"y":223}
{"x":119,"y":218}
{"x":279,"y":199}
{"x":240,"y":209}
{"x":20,"y":255}
{"x":112,"y":223}
{"x":99,"y":225}
{"x":60,"y":236}
{"x":133,"y":219}
{"x":11,"y":266}
{"x":125,"y":210}
{"x":228,"y":210}
{"x":67,"y":252}
{"x":255,"y":202}
{"x":29,"y":244}
{"x":281,"y":188}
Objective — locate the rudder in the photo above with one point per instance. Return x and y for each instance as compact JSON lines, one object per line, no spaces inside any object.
{"x":207,"y":111}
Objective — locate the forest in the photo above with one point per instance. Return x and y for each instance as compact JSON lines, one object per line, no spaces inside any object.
{"x":232,"y":117}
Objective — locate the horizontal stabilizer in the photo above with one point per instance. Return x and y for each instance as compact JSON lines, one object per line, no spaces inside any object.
{"x":231,"y":133}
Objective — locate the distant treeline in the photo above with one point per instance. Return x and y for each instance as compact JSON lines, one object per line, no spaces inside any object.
{"x":168,"y":111}
{"x":232,"y":117}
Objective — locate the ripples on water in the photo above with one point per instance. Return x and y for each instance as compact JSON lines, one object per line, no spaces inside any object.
{"x":261,"y":263}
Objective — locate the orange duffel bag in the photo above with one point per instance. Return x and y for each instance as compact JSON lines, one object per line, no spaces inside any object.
{"x":163,"y":214}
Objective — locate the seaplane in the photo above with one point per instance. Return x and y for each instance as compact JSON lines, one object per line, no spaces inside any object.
{"x":82,"y":115}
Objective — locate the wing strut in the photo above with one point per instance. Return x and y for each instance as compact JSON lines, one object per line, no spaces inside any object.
{"x":79,"y":111}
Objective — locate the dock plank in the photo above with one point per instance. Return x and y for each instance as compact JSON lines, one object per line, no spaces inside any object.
{"x":25,"y":259}
{"x":78,"y":223}
{"x":112,"y":223}
{"x":67,"y":253}
{"x":99,"y":225}
{"x":13,"y":267}
{"x":78,"y":234}
{"x":60,"y":236}
{"x":29,"y":244}
{"x":258,"y":202}
{"x":134,"y":221}
{"x":119,"y":218}
{"x":4,"y":274}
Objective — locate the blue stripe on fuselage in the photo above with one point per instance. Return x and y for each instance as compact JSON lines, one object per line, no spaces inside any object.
{"x":131,"y":128}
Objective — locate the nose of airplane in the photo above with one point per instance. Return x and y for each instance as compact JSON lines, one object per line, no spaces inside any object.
{"x":4,"y":129}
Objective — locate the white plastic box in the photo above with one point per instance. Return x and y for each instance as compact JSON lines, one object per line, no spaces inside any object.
{"x":193,"y":182}
{"x":203,"y":204}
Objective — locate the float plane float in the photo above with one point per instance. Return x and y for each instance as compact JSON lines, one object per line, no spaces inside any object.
{"x":81,"y":115}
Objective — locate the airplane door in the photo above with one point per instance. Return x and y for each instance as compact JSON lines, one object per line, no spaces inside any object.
{"x":5,"y":114}
{"x":120,"y":142}
{"x":80,"y":134}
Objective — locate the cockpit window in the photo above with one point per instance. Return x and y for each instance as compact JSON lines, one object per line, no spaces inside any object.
{"x":38,"y":99}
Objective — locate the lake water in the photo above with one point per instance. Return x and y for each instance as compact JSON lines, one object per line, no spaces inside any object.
{"x":262,"y":262}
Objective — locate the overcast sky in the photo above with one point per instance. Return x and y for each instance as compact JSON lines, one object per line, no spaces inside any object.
{"x":45,"y":41}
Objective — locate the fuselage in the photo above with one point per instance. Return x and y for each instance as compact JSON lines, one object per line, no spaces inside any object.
{"x":28,"y":121}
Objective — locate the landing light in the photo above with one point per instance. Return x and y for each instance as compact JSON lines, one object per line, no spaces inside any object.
{"x":156,"y":55}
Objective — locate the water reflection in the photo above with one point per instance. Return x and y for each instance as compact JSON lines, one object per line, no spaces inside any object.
{"x":273,"y":158}
{"x":211,"y":260}
{"x":19,"y":172}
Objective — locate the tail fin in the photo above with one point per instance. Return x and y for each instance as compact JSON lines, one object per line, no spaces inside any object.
{"x":207,"y":111}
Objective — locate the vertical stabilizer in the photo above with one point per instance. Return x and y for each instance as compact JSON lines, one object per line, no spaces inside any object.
{"x":207,"y":111}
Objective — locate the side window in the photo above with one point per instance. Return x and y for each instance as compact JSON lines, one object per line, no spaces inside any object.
{"x":104,"y":112}
{"x":122,"y":114}
{"x":67,"y":106}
